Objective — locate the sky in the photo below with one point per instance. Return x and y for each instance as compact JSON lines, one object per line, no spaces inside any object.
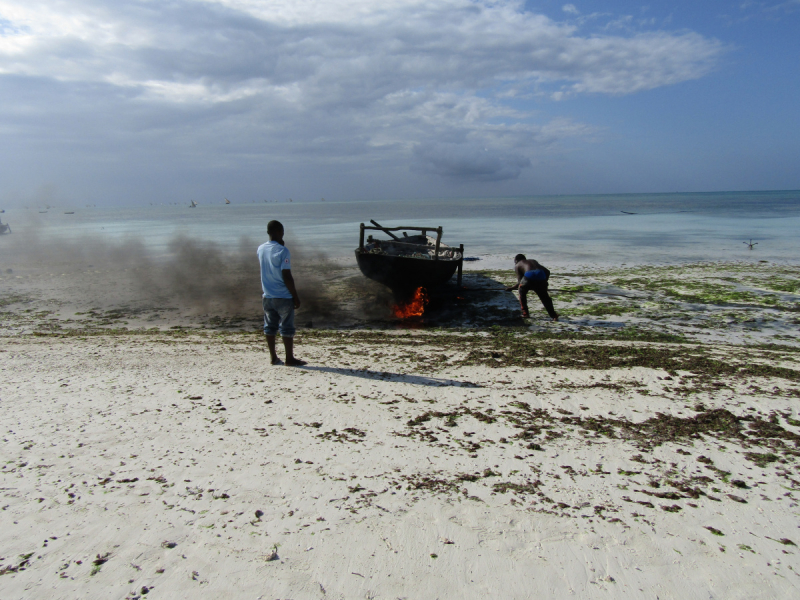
{"x":129,"y":102}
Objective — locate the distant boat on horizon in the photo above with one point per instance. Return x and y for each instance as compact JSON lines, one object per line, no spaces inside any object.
{"x":227,"y":201}
{"x":193,"y":204}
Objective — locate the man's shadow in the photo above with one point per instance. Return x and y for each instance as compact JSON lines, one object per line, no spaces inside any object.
{"x":398,"y":377}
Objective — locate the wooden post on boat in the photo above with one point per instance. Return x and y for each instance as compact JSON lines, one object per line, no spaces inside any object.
{"x":460,"y":265}
{"x":361,"y":238}
{"x":438,"y":241}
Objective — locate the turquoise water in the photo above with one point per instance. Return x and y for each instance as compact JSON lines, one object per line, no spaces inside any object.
{"x":667,"y":228}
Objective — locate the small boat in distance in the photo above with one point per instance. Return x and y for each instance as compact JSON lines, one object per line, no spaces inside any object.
{"x":407,"y":263}
{"x":193,"y":204}
{"x":4,"y":228}
{"x":227,"y":201}
{"x":69,"y":212}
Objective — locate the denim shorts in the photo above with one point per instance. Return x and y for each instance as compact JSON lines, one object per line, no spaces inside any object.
{"x":278,"y":316}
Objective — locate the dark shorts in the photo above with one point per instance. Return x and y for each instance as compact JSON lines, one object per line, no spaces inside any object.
{"x":278,"y":316}
{"x":533,"y":285}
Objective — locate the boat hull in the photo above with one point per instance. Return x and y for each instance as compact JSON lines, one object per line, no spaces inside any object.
{"x":403,"y":273}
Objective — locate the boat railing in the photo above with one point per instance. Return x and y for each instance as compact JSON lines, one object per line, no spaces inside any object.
{"x":388,"y":230}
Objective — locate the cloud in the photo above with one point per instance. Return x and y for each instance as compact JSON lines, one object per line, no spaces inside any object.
{"x":241,"y":82}
{"x":570,"y":9}
{"x":468,"y":162}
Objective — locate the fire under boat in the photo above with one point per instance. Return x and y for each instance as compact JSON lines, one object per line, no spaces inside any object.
{"x":409,"y":262}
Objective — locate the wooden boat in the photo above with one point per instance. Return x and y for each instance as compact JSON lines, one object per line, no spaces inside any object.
{"x":4,"y":228}
{"x":409,"y":262}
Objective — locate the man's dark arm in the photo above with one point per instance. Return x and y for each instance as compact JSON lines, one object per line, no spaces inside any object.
{"x":289,"y":281}
{"x":520,"y":274}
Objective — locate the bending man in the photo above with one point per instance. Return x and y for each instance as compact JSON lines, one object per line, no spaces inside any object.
{"x":531,"y":276}
{"x":279,"y":295}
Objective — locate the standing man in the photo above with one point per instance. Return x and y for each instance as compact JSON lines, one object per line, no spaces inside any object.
{"x":531,"y":276}
{"x":279,"y":295}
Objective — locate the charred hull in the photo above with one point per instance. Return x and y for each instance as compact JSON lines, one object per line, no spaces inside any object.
{"x":402,"y":274}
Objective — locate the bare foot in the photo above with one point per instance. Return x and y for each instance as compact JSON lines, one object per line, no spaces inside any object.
{"x":276,"y":361}
{"x":525,"y":315}
{"x":294,"y":362}
{"x":556,"y":317}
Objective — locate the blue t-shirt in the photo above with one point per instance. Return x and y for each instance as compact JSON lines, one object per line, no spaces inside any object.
{"x":274,"y":259}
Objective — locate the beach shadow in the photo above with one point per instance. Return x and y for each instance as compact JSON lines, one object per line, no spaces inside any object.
{"x":388,"y":376}
{"x":480,"y":302}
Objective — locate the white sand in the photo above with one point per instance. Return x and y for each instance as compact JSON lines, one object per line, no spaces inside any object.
{"x":113,"y":446}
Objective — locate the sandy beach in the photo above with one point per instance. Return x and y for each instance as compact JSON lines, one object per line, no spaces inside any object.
{"x":644,"y":446}
{"x":398,"y":464}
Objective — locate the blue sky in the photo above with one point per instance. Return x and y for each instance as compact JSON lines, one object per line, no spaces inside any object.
{"x":143,"y":101}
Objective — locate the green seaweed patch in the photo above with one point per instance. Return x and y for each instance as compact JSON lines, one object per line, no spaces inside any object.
{"x":604,"y":308}
{"x":781,"y":284}
{"x":698,"y":292}
{"x":762,"y":460}
{"x":518,"y":352}
{"x":11,"y":299}
{"x":584,"y":288}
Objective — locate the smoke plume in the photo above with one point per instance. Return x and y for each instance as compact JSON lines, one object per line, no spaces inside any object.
{"x":195,"y":276}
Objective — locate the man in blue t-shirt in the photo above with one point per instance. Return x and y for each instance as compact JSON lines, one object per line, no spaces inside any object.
{"x":531,"y":276}
{"x":279,"y":296}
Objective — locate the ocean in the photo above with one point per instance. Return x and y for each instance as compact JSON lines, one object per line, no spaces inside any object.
{"x":598,"y":230}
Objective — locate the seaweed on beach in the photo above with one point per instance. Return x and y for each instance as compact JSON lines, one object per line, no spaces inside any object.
{"x":349,"y":434}
{"x":506,"y":351}
{"x":539,"y":426}
{"x":662,"y":428}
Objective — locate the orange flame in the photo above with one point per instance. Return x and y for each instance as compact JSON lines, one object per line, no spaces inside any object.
{"x":414,"y":307}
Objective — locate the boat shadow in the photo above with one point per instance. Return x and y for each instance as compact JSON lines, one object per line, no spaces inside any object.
{"x":480,"y":302}
{"x":395,"y":377}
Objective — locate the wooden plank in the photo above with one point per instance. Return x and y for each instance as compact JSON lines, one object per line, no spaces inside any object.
{"x":399,"y":228}
{"x":392,"y":242}
{"x":382,"y":228}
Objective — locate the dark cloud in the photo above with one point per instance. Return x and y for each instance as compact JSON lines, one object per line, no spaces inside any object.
{"x":468,"y":161}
